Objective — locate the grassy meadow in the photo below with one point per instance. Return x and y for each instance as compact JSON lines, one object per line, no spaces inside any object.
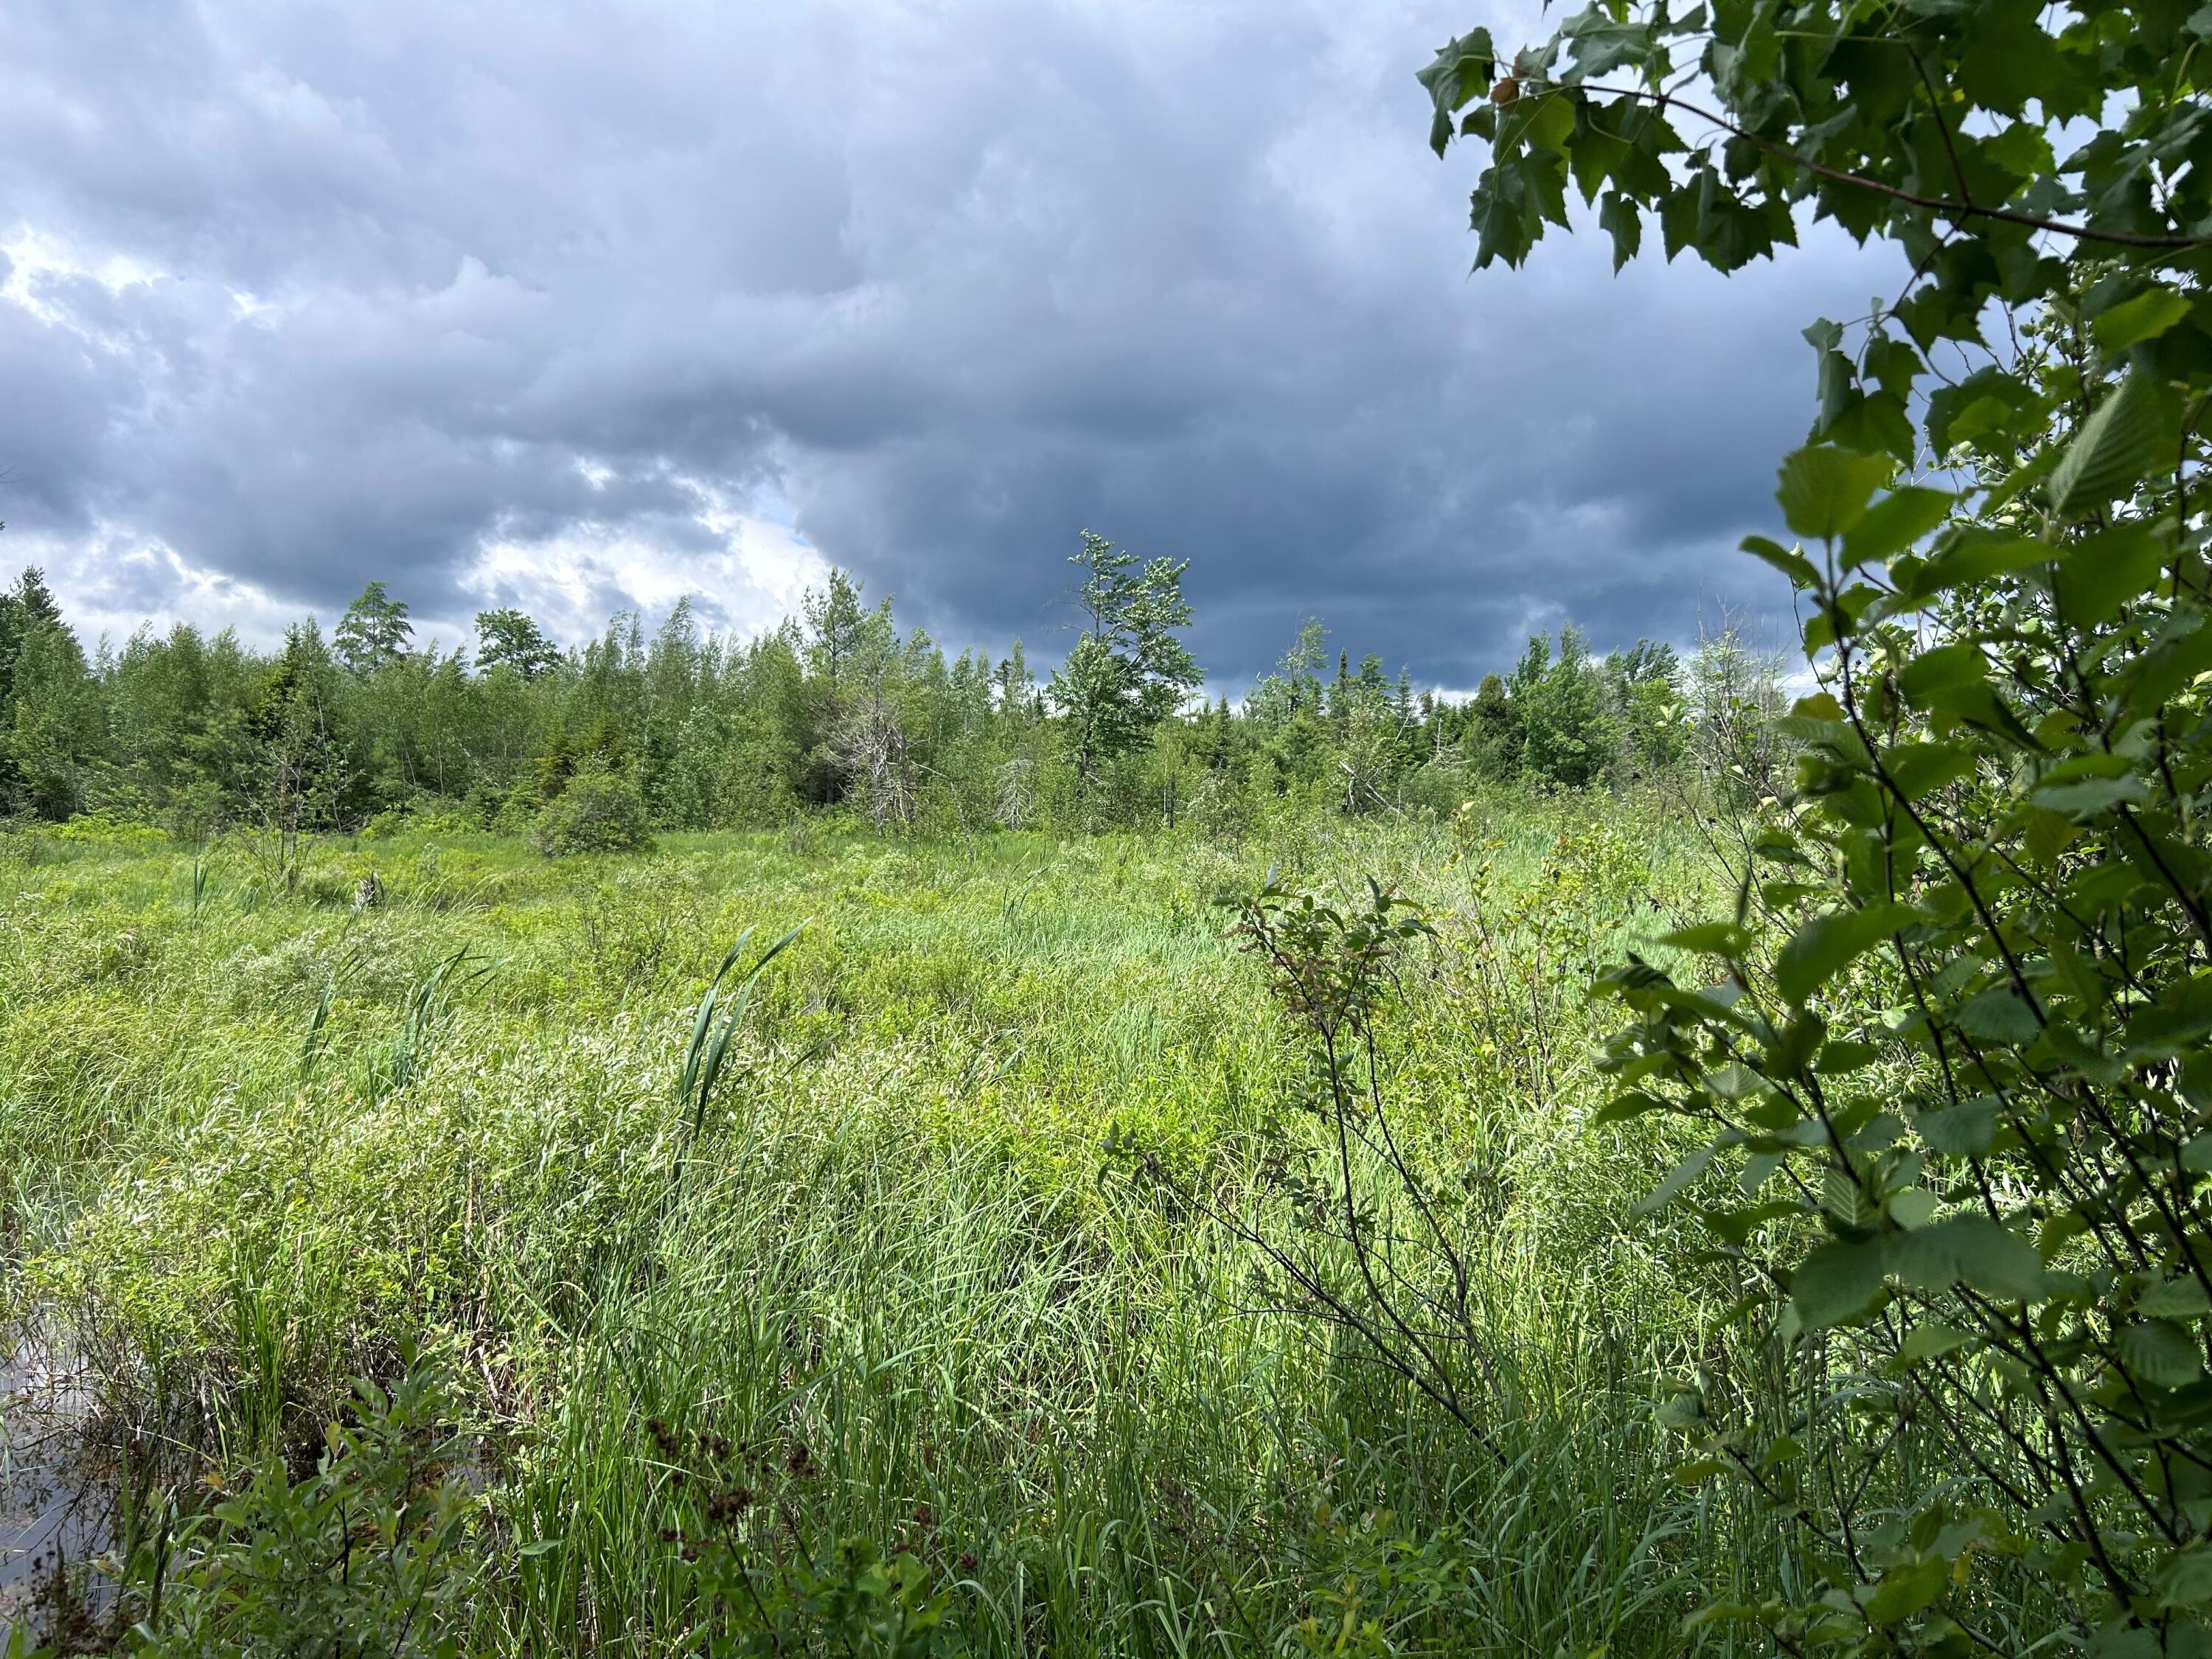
{"x":894,"y":1289}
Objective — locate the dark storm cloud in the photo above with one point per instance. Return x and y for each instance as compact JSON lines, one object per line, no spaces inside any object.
{"x":312,"y":295}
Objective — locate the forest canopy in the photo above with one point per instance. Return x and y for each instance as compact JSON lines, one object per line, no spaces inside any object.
{"x":836,"y":708}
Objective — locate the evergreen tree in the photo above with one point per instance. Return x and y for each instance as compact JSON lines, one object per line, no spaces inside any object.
{"x":304,"y":781}
{"x":1492,"y":739}
{"x":1129,"y":672}
{"x":1567,"y":727}
{"x":372,"y":633}
{"x":54,"y":725}
{"x":20,"y":610}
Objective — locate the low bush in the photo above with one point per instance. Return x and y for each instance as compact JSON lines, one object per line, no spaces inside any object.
{"x":597,"y":812}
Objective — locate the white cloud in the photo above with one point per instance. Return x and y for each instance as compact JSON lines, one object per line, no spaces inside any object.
{"x":36,"y":257}
{"x":110,"y":582}
{"x":751,"y":578}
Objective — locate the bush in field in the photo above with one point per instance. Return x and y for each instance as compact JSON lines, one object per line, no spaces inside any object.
{"x":1952,"y":1074}
{"x":595,"y":812}
{"x":363,"y":1559}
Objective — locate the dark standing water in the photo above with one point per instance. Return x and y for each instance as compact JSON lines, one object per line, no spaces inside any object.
{"x":55,"y":1512}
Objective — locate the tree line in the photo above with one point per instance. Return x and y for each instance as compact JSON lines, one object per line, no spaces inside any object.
{"x":676,"y":727}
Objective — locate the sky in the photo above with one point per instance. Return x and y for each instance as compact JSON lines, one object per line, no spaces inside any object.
{"x":589,"y":307}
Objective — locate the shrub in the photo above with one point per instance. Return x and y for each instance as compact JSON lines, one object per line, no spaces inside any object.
{"x":596,"y":812}
{"x":392,"y":821}
{"x":1952,"y":1057}
{"x":365,"y":1556}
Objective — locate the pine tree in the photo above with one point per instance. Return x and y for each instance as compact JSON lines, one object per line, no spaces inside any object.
{"x":1129,"y":672}
{"x":372,"y":633}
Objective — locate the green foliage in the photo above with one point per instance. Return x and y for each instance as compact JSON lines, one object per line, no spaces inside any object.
{"x":712,"y":1027}
{"x":1127,"y":671}
{"x":1066,"y":1405}
{"x":763,"y":1583}
{"x":365,"y":1558}
{"x":1949,"y":1074}
{"x":512,"y":640}
{"x":596,"y":812}
{"x":54,"y":703}
{"x":373,"y":634}
{"x":28,"y":605}
{"x":1568,"y":728}
{"x":1960,"y":1033}
{"x":1493,"y":739}
{"x":836,"y":711}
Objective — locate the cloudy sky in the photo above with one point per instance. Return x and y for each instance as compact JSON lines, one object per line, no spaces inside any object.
{"x":593,"y":305}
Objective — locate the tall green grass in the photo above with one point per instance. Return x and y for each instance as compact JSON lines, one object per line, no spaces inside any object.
{"x":894,"y":1239}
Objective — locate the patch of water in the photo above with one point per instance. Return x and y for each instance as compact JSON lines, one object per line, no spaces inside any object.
{"x":56,"y":1513}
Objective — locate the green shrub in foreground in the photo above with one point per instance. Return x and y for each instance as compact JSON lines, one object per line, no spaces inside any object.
{"x":1953,"y":1077}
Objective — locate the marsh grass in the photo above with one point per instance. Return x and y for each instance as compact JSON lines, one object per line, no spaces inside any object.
{"x":268,"y":1146}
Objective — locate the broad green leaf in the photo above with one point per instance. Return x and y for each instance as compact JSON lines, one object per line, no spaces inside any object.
{"x":1551,"y":123}
{"x":2143,"y":317}
{"x":1462,"y":71}
{"x":1962,"y":1131}
{"x":1833,"y":734}
{"x":1999,"y":1017}
{"x":1602,"y":42}
{"x":1994,"y":1260}
{"x":2162,"y":1354}
{"x":1617,"y":218}
{"x":1894,"y":523}
{"x":2177,"y":1299}
{"x":2095,"y":764}
{"x":1913,"y":1208}
{"x":1634,"y":1103}
{"x":1842,"y":1197}
{"x":1823,"y":489}
{"x":2090,"y":796}
{"x":1788,"y":560}
{"x":2185,"y":1581}
{"x":1905,"y":1590}
{"x":1919,"y":768}
{"x":1684,"y":1409}
{"x":1825,"y":945}
{"x":1987,"y":401}
{"x":1976,"y":561}
{"x":2063,"y":1043}
{"x":1946,"y":668}
{"x":2097,"y":577}
{"x":2117,"y":446}
{"x":1930,"y":1340}
{"x":1836,"y":1282}
{"x":1841,"y":1056}
{"x":1874,"y":424}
